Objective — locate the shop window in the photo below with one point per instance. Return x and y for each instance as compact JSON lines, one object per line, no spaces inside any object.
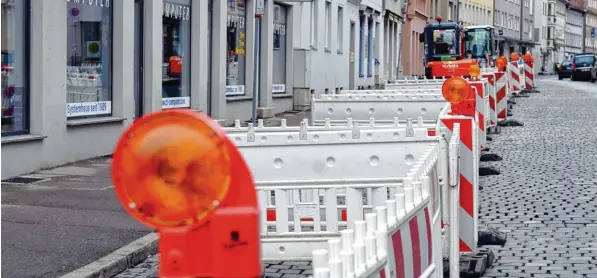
{"x":279,"y":58}
{"x":89,"y":59}
{"x":176,"y":60}
{"x":236,"y":45}
{"x":15,"y":101}
{"x":370,"y":48}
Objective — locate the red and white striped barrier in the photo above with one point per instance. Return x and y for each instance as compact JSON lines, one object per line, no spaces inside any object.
{"x":492,"y":92}
{"x":529,"y":73}
{"x":501,"y":95}
{"x":514,"y":77}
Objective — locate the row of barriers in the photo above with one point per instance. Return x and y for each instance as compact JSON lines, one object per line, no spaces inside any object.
{"x":379,"y":183}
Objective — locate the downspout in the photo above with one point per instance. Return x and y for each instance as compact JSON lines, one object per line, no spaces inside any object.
{"x":401,"y":36}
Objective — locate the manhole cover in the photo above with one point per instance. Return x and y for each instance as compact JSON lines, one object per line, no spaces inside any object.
{"x":24,"y":180}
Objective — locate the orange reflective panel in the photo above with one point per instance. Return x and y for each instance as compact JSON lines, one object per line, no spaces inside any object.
{"x":455,"y":90}
{"x":171,"y":169}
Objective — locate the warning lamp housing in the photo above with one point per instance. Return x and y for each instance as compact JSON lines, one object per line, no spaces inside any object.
{"x":500,"y":64}
{"x":514,"y":56}
{"x":178,"y":172}
{"x":474,"y":70}
{"x":458,"y":91}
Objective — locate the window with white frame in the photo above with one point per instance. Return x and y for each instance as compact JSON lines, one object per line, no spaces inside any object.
{"x":314,"y":23}
{"x":340,"y":29}
{"x":328,"y":25}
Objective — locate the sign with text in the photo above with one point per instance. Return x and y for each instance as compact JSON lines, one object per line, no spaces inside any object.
{"x":279,"y":88}
{"x":176,"y":102}
{"x":88,"y":108}
{"x":235,"y":90}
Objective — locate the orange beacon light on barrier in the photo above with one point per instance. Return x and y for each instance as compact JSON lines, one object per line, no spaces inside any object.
{"x":457,"y":91}
{"x":177,"y":172}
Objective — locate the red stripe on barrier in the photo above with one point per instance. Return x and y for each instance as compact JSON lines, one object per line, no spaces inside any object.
{"x":481,"y":121}
{"x":429,"y":243}
{"x":502,"y":114}
{"x":491,"y":103}
{"x":431,"y":132}
{"x":501,"y":93}
{"x":466,"y":195}
{"x":466,"y":137}
{"x":463,"y":247}
{"x":413,"y":224}
{"x":398,"y":254}
{"x":382,"y":273}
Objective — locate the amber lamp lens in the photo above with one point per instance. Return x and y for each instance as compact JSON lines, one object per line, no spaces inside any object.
{"x":455,"y":89}
{"x":513,"y":56}
{"x":500,"y":64}
{"x":171,"y":169}
{"x":474,"y":70}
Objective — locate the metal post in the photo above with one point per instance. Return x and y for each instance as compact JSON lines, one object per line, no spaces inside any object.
{"x":454,"y":197}
{"x":259,"y":8}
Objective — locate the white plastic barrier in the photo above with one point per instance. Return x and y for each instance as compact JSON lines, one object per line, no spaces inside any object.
{"x":383,"y":107}
{"x":435,"y":89}
{"x":310,"y":163}
{"x":384,"y":245}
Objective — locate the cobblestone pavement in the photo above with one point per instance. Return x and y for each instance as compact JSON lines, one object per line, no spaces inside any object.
{"x":545,"y":197}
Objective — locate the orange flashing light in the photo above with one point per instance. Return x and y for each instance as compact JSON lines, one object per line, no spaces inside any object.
{"x":177,"y":172}
{"x":500,"y":63}
{"x":474,"y":70}
{"x":457,"y":91}
{"x":514,"y":56}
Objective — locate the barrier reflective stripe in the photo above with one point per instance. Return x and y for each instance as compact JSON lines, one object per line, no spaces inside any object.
{"x":467,"y":215}
{"x":514,"y":77}
{"x":492,"y":98}
{"x":501,"y":95}
{"x":529,"y":74}
{"x":412,"y":246}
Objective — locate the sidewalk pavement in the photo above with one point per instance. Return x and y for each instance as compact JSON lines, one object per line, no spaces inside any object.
{"x":69,"y":216}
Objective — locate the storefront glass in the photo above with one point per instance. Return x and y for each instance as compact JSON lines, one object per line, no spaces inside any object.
{"x":235,"y":42}
{"x":14,"y":67}
{"x":279,"y":63}
{"x":89,"y":58}
{"x":176,"y":62}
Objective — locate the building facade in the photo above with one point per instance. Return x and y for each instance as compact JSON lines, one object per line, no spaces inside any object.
{"x":543,"y":34}
{"x":476,"y":12}
{"x":416,"y":17}
{"x":508,"y":22}
{"x":560,"y":26}
{"x":527,"y":40}
{"x":590,"y":41}
{"x":575,"y":28}
{"x":447,"y":9}
{"x":392,"y":27}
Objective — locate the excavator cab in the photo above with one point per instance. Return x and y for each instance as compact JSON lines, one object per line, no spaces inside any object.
{"x":443,"y":49}
{"x":479,"y":44}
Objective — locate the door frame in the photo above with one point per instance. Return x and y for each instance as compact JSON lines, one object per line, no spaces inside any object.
{"x":138,"y":44}
{"x":352,"y":56}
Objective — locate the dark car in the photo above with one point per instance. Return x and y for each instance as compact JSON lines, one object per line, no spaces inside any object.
{"x":582,"y":65}
{"x":565,"y":70}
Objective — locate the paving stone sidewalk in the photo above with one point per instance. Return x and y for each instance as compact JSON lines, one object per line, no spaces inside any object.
{"x":545,"y":197}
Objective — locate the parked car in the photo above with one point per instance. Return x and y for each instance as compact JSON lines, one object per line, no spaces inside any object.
{"x":582,"y":66}
{"x":565,"y":70}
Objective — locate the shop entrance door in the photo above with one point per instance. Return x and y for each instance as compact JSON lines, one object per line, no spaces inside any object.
{"x":138,"y":56}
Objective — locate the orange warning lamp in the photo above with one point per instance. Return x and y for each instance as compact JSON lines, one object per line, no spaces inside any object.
{"x":474,"y":70}
{"x":500,"y":63}
{"x":177,"y":172}
{"x":457,"y":91}
{"x":514,"y":56}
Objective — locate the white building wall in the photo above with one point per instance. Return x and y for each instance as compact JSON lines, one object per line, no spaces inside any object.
{"x":560,"y":34}
{"x":574,"y":31}
{"x":543,"y":58}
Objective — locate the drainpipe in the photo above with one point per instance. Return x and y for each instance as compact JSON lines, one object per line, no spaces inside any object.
{"x":401,"y":36}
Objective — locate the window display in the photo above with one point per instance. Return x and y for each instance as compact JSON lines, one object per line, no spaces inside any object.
{"x":89,"y":58}
{"x":15,"y":102}
{"x":235,"y":42}
{"x":279,"y":62}
{"x":176,"y":62}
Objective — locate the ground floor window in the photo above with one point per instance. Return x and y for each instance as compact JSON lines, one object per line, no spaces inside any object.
{"x":15,"y":101}
{"x":235,"y":46}
{"x":279,"y":60}
{"x":176,"y":61}
{"x":89,"y":58}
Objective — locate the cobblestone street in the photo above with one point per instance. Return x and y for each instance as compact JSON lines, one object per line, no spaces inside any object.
{"x":545,"y":197}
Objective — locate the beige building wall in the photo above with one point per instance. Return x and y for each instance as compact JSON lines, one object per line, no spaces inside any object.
{"x":476,"y":12}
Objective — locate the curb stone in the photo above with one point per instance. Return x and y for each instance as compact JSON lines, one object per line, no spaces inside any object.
{"x":119,"y":260}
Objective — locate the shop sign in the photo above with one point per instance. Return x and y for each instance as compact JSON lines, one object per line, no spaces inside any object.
{"x":235,"y":90}
{"x":176,"y":102}
{"x":279,"y":88}
{"x":88,"y":108}
{"x":177,"y":11}
{"x":97,"y":3}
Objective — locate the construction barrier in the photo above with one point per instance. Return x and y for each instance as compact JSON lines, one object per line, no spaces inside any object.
{"x":492,"y":95}
{"x":514,"y":78}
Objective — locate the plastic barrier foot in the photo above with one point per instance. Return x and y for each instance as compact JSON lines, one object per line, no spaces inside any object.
{"x":510,"y":122}
{"x":488,"y":138}
{"x":492,"y":236}
{"x":485,"y":149}
{"x":490,"y":256}
{"x":490,"y":157}
{"x":472,"y":266}
{"x":493,"y":130}
{"x":510,"y":114}
{"x":510,"y":101}
{"x":520,"y":94}
{"x":488,"y":171}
